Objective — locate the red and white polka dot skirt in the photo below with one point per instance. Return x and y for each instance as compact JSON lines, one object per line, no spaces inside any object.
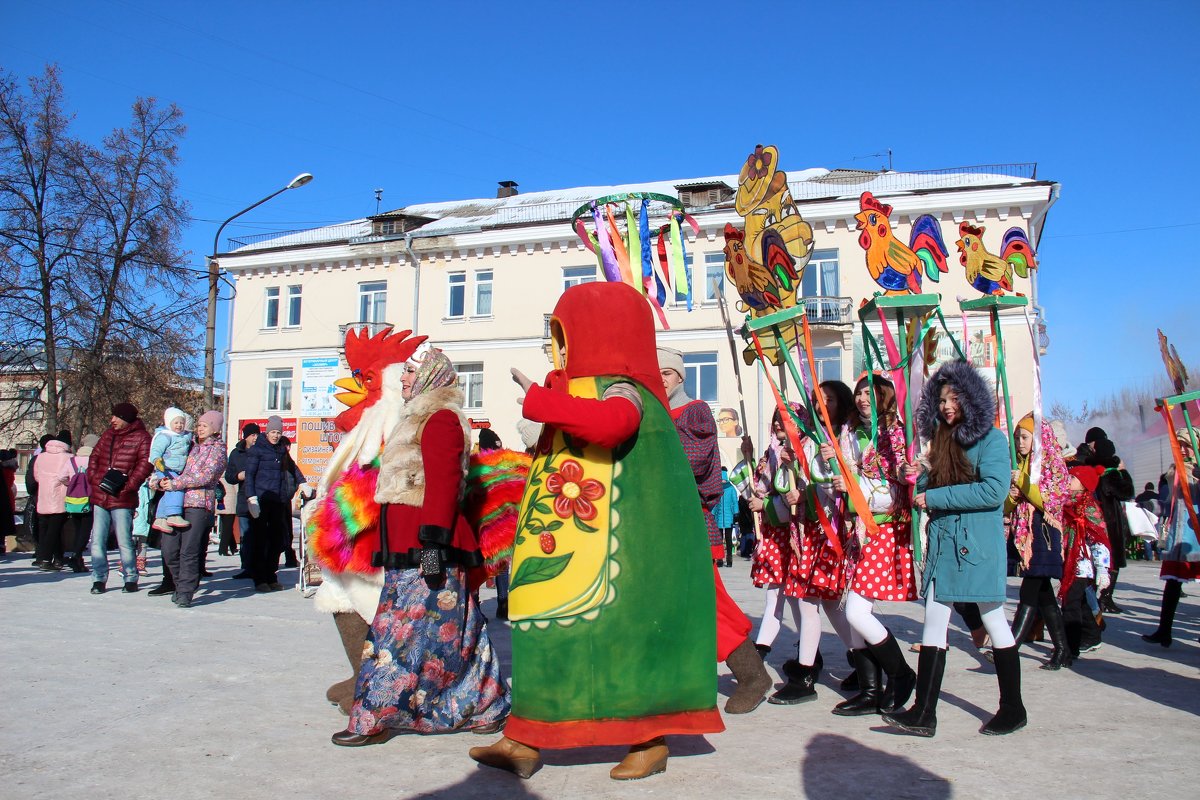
{"x":774,"y":559}
{"x":821,"y":573}
{"x":885,"y":568}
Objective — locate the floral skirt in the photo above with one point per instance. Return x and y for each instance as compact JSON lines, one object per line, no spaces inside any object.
{"x":885,"y":566}
{"x":821,"y":573}
{"x":428,"y":665}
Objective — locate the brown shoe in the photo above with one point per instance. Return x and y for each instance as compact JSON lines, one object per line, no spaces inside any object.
{"x":643,"y":760}
{"x":507,"y":754}
{"x":348,"y":739}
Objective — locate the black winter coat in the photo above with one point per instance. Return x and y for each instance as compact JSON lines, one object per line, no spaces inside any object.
{"x":1116,"y":486}
{"x":235,"y":464}
{"x":266,"y":466}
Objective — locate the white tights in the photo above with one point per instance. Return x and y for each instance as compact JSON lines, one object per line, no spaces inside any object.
{"x":937,"y":622}
{"x":860,"y":614}
{"x":772,"y":618}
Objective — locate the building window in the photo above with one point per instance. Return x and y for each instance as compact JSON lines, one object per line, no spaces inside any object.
{"x":680,"y":289}
{"x":279,"y":390}
{"x":387,"y":227}
{"x":372,"y":301}
{"x":29,"y":404}
{"x":293,"y":306}
{"x":271,"y":308}
{"x":456,"y":294}
{"x":470,"y":380}
{"x":821,"y":274}
{"x":483,"y":293}
{"x":714,"y":273}
{"x":700,"y":380}
{"x":829,"y":363}
{"x":573,"y":276}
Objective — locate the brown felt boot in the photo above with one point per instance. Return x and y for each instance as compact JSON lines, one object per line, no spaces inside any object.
{"x":642,"y":761}
{"x":507,"y":754}
{"x":353,"y":630}
{"x":753,"y":682}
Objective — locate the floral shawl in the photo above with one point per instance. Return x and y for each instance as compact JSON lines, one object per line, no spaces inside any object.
{"x":1054,"y":486}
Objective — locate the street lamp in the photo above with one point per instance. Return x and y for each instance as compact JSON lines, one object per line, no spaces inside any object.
{"x":210,"y":329}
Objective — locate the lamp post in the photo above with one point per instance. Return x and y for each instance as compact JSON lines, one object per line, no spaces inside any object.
{"x":210,"y":329}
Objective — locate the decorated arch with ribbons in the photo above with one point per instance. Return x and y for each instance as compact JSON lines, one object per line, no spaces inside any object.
{"x":638,"y":239}
{"x":1178,"y":376}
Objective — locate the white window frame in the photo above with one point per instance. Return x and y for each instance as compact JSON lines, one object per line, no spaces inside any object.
{"x":370,"y":309}
{"x":829,"y":363}
{"x":29,"y":404}
{"x":576,"y":275}
{"x":294,"y":305}
{"x":713,"y":263}
{"x":278,"y":396}
{"x":480,"y":282}
{"x":271,"y":307}
{"x":676,"y":295}
{"x":470,"y":380}
{"x":693,"y":379}
{"x":456,"y":283}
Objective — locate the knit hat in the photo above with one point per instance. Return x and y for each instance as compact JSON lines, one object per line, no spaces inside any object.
{"x":1088,"y":476}
{"x":125,"y":411}
{"x":669,"y":358}
{"x":172,"y":413}
{"x":215,"y":421}
{"x":250,"y":428}
{"x":1094,"y":435}
{"x":1026,"y":423}
{"x":274,"y":423}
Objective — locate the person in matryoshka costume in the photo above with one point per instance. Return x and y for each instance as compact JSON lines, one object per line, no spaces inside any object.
{"x":611,"y":597}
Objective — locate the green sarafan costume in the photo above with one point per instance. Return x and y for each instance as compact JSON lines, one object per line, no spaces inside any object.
{"x":611,"y":596}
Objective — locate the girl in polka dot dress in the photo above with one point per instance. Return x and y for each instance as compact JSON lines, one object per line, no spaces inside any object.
{"x":776,"y":557}
{"x":883,"y":569}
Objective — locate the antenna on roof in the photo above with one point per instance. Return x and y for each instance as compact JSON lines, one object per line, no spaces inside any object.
{"x":378,"y":199}
{"x":887,"y":153}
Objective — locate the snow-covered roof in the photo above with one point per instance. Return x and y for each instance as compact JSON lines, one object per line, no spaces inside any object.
{"x":557,"y":205}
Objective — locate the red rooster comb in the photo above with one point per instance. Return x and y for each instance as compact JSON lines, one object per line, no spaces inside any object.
{"x":868,"y":202}
{"x":965,"y":228}
{"x":385,"y":347}
{"x":733,"y":234}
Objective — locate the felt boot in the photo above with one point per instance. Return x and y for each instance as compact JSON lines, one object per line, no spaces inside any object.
{"x":753,"y":682}
{"x":1011,"y":716}
{"x":353,"y":631}
{"x":901,"y":678}
{"x":870,"y":681}
{"x":921,"y":719}
{"x":507,"y":754}
{"x":642,"y":761}
{"x":1061,"y":657}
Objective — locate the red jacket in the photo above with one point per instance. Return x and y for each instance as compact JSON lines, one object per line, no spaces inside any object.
{"x":127,"y":450}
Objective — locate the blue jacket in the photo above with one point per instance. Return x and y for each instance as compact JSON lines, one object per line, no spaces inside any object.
{"x":171,"y":447}
{"x":727,"y":506}
{"x":266,"y":466}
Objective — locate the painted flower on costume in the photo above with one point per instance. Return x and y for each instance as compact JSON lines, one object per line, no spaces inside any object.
{"x":573,"y":493}
{"x":758,"y":163}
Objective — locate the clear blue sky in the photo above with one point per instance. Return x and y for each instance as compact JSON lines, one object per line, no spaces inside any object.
{"x":437,"y":101}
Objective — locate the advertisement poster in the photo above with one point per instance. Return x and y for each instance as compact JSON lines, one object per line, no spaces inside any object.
{"x":315,"y":441}
{"x":289,"y":426}
{"x":316,"y":386}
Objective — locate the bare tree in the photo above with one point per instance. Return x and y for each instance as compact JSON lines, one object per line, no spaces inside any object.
{"x":93,"y":283}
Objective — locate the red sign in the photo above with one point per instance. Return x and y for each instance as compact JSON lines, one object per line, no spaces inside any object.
{"x":289,"y":427}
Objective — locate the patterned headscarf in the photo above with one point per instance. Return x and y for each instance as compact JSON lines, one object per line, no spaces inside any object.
{"x":1054,"y":484}
{"x":434,"y":370}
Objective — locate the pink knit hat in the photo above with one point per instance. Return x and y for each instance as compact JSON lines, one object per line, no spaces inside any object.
{"x":215,"y":421}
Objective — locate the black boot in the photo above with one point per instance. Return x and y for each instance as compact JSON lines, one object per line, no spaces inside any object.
{"x":870,"y":679}
{"x":850,"y":682}
{"x":1172,"y":590}
{"x":901,"y":678}
{"x":921,"y":719}
{"x":764,"y":650}
{"x":1011,"y":716}
{"x":1061,"y":657}
{"x":1107,"y":605}
{"x":166,"y":587}
{"x":1023,"y":622}
{"x":800,"y":687}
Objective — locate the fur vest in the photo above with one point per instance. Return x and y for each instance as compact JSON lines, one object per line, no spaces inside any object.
{"x":401,"y":470}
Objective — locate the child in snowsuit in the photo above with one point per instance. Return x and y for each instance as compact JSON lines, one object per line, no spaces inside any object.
{"x":168,"y":453}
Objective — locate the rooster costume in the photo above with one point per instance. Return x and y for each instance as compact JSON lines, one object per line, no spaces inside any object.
{"x":611,"y":597}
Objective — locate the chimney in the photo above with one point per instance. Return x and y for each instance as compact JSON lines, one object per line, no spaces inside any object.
{"x":507,"y":189}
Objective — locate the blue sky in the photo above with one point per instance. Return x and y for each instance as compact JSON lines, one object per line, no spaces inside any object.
{"x":437,"y":101}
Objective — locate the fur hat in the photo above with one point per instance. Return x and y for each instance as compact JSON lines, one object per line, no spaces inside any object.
{"x":1088,"y":476}
{"x":1104,"y":454}
{"x":274,"y":423}
{"x":250,"y":428}
{"x":975,"y":397}
{"x":488,"y":440}
{"x":669,"y":358}
{"x":1094,"y":435}
{"x":125,"y":411}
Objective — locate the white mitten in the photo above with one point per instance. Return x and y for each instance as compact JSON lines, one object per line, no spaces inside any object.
{"x":253,"y":507}
{"x":1102,"y":580}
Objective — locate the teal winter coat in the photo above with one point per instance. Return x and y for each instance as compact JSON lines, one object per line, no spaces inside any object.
{"x":966,"y":559}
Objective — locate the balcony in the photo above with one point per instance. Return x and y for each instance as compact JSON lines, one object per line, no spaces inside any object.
{"x":834,"y":311}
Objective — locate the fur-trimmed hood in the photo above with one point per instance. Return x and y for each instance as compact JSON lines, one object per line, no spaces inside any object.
{"x":974,"y":395}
